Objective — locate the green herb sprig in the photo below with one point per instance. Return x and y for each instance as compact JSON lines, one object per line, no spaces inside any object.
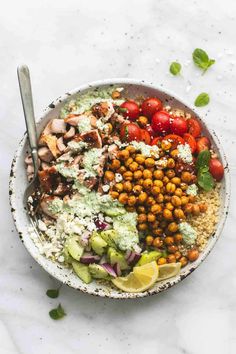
{"x":52,"y":293}
{"x":202,"y":60}
{"x":57,"y":313}
{"x":175,"y":68}
{"x":204,"y":178}
{"x":202,"y":100}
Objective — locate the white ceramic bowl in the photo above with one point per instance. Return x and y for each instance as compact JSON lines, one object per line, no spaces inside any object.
{"x":18,"y":183}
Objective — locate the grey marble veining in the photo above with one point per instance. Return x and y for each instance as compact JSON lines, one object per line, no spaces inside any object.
{"x":66,"y":43}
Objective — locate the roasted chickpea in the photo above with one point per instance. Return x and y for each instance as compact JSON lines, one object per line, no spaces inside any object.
{"x":183,"y":186}
{"x":178,"y":191}
{"x":170,"y":173}
{"x":123,"y":198}
{"x":188,"y":208}
{"x":141,"y":209}
{"x":149,"y":162}
{"x":115,"y":164}
{"x":114,"y":194}
{"x":123,"y":154}
{"x":142,"y":227}
{"x":150,"y":201}
{"x":165,"y":145}
{"x":184,"y":200}
{"x":183,"y":261}
{"x":147,"y":183}
{"x":186,"y":177}
{"x":142,"y":197}
{"x":128,"y":176}
{"x":142,"y":121}
{"x":122,"y":169}
{"x":119,"y":187}
{"x":178,"y":255}
{"x":156,"y":209}
{"x":147,"y":174}
{"x":169,"y":206}
{"x":140,"y":159}
{"x":151,"y":217}
{"x":115,"y":94}
{"x":178,"y":238}
{"x":171,"y":258}
{"x":173,"y":227}
{"x":165,"y":180}
{"x":158,"y":183}
{"x":167,"y":214}
{"x":158,"y":231}
{"x":127,"y":186}
{"x":203,"y":207}
{"x":137,"y":189}
{"x":130,"y":209}
{"x":179,"y":214}
{"x":149,"y":240}
{"x":109,"y":176}
{"x":140,"y":181}
{"x":133,"y":166}
{"x":160,"y":198}
{"x":169,"y":240}
{"x":170,"y":163}
{"x":131,"y":149}
{"x":158,"y":174}
{"x":170,"y":188}
{"x":172,"y":249}
{"x":174,"y":153}
{"x":142,"y":218}
{"x":162,"y":162}
{"x":131,"y":200}
{"x":138,"y":174}
{"x":176,"y":201}
{"x":161,"y":261}
{"x":195,"y":209}
{"x":128,"y":161}
{"x":192,"y":198}
{"x":193,"y":255}
{"x":157,"y":242}
{"x":155,"y":190}
{"x":176,"y":181}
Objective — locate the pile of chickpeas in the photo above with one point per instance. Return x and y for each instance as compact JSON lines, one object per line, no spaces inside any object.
{"x":156,"y":190}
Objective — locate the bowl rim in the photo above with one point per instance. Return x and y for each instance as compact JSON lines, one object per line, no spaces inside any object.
{"x":144,"y":84}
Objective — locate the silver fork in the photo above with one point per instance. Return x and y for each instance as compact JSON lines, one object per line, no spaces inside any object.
{"x":27,"y":103}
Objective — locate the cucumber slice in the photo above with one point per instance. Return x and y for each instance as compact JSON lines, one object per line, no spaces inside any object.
{"x":82,"y":271}
{"x":74,"y":248}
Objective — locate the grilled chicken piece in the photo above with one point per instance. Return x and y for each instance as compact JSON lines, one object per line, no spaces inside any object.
{"x":72,"y":119}
{"x":70,"y":133}
{"x":90,"y":182}
{"x":45,"y":165}
{"x":113,"y":151}
{"x":60,"y":144}
{"x":51,"y":142}
{"x":45,"y":154}
{"x":61,"y":189}
{"x":103,"y":110}
{"x":93,"y":138}
{"x":58,"y":126}
{"x":44,"y":204}
{"x":48,"y":179}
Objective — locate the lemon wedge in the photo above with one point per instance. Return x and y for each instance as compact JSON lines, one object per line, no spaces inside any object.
{"x":168,"y":270}
{"x":141,"y":279}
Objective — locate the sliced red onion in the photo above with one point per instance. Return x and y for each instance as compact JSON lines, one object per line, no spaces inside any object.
{"x":109,"y":269}
{"x":88,"y":258}
{"x":85,"y":238}
{"x":117,"y":269}
{"x":134,"y":257}
{"x":128,"y":253}
{"x":101,"y":225}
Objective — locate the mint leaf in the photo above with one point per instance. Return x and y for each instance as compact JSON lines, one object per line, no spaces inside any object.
{"x":52,"y":293}
{"x":205,"y":180}
{"x":202,"y":100}
{"x":203,"y":159}
{"x":175,"y":68}
{"x":57,"y":313}
{"x":201,"y":59}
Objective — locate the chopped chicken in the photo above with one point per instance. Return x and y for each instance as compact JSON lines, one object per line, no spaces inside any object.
{"x":45,"y":154}
{"x":58,"y":126}
{"x":93,"y":138}
{"x":60,"y":144}
{"x":70,"y":133}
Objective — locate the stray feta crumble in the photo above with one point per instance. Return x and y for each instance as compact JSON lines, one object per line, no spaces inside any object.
{"x":42,"y":226}
{"x":105,"y":188}
{"x":192,"y":189}
{"x":118,"y":177}
{"x":146,"y":150}
{"x":184,"y":152}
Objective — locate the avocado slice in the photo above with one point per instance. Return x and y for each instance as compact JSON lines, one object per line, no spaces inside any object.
{"x":117,"y":257}
{"x":149,"y":257}
{"x":82,"y":271}
{"x":74,"y":248}
{"x":67,"y":256}
{"x":114,"y":211}
{"x":98,"y":244}
{"x":109,"y":236}
{"x":97,"y":271}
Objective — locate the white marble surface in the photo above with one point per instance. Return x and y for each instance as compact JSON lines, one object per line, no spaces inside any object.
{"x":67,"y":43}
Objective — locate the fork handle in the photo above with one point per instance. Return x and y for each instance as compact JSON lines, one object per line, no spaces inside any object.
{"x":27,"y":102}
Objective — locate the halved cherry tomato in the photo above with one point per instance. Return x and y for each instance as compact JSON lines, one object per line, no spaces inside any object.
{"x":216,"y":169}
{"x":190,"y":140}
{"x":203,"y":143}
{"x":130,"y":132}
{"x":145,"y":136}
{"x":132,"y":110}
{"x":178,"y":126}
{"x":150,"y":106}
{"x":161,"y":122}
{"x":156,"y":140}
{"x":174,"y":139}
{"x":194,"y":127}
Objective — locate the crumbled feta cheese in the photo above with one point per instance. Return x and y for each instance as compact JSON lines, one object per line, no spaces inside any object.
{"x":105,"y":188}
{"x":146,"y":150}
{"x":84,"y":124}
{"x":77,"y":145}
{"x":41,"y":225}
{"x":30,"y":199}
{"x":188,"y":233}
{"x":91,"y":162}
{"x":184,"y":152}
{"x":118,"y":177}
{"x":192,"y":189}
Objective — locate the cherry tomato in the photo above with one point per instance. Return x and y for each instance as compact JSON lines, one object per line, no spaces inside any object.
{"x":130,"y":132}
{"x":161,"y":122}
{"x":132,"y":110}
{"x":150,"y":106}
{"x":175,"y":140}
{"x":216,"y":169}
{"x":190,"y":140}
{"x":178,"y":126}
{"x":145,"y":136}
{"x":156,"y":140}
{"x":194,"y":127}
{"x":203,"y":144}
{"x":150,"y":131}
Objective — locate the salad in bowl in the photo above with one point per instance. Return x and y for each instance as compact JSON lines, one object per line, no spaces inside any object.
{"x":129,"y":189}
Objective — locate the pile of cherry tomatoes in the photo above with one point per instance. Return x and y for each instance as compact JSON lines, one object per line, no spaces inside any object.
{"x":158,"y":124}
